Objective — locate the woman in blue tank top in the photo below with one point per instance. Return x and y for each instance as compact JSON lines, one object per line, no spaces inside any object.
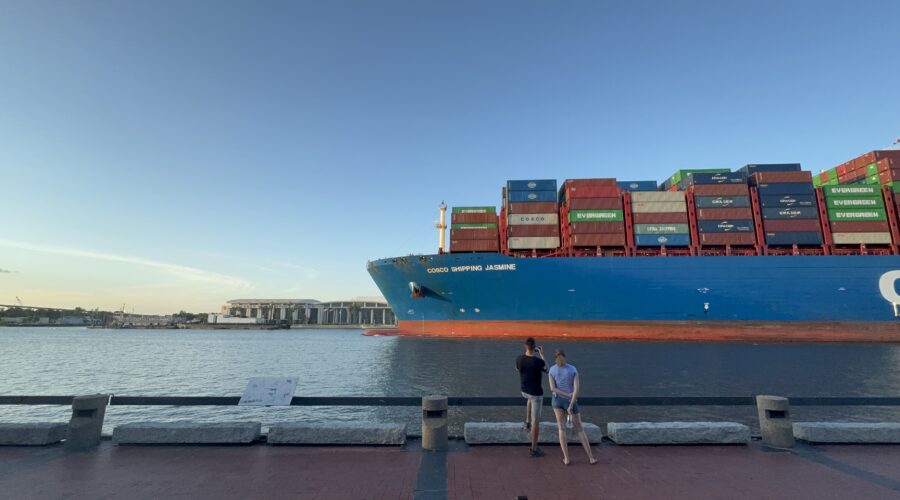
{"x":564,"y":385}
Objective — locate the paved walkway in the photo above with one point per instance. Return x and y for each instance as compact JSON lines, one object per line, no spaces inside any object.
{"x":488,"y":472}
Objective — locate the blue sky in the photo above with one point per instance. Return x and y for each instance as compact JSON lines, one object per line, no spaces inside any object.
{"x":173,"y":155}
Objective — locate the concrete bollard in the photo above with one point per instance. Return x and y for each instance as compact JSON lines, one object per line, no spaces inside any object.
{"x":434,"y":423}
{"x":87,"y":421}
{"x":775,"y":421}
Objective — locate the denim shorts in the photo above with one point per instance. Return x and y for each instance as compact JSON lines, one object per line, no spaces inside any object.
{"x":563,"y":404}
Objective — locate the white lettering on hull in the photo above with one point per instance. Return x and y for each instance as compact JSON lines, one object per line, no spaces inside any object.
{"x":466,"y":269}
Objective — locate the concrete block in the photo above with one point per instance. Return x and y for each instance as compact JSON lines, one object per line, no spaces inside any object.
{"x":775,"y":421}
{"x":678,"y":433}
{"x":32,"y":434}
{"x":84,"y":428}
{"x":187,"y":433}
{"x":356,"y":433}
{"x":515,"y":433}
{"x":847,"y":432}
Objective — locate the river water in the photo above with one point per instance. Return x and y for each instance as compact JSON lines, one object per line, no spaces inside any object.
{"x":65,"y":361}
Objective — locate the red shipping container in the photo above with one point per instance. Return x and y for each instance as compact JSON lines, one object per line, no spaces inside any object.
{"x":875,"y":156}
{"x":874,"y":226}
{"x":782,"y":177}
{"x":540,"y":207}
{"x":721,"y":190}
{"x":598,"y":227}
{"x":593,"y":192}
{"x":595,"y":204}
{"x":823,"y":177}
{"x":724,"y":214}
{"x":843,"y":168}
{"x":888,"y":164}
{"x":474,"y":234}
{"x":474,"y":245}
{"x":536,"y":230}
{"x":792,"y":225}
{"x":598,"y":240}
{"x":889,"y":175}
{"x":660,"y":218}
{"x":589,"y":183}
{"x":672,"y":189}
{"x":473,"y":218}
{"x":727,"y":239}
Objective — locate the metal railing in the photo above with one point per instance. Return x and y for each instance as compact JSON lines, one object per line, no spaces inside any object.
{"x":459,"y":401}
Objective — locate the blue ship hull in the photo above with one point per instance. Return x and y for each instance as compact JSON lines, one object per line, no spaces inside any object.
{"x":759,"y":298}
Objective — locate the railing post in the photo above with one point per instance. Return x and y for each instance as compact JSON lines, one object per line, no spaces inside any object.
{"x":775,"y":421}
{"x":434,"y":423}
{"x":86,"y":422}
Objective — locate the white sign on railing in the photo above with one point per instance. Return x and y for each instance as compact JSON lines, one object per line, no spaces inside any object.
{"x":269,"y":391}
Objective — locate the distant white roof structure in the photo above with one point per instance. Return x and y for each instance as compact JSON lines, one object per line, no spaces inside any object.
{"x":274,"y":301}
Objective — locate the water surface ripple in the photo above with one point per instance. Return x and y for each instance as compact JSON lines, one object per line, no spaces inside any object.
{"x":64,"y":361}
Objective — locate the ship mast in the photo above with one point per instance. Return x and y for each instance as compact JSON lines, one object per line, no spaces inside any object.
{"x":441,"y":226}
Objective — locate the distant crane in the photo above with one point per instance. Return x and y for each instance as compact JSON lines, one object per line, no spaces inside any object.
{"x":19,"y":301}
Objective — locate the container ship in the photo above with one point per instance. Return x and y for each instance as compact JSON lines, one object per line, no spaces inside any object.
{"x":767,"y":252}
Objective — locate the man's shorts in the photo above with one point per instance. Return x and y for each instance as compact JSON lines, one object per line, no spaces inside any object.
{"x":536,"y":402}
{"x":563,"y":404}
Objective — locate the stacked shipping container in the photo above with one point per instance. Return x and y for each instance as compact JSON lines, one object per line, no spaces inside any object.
{"x":532,"y":215}
{"x":660,"y":219}
{"x":787,"y":199}
{"x":474,"y":229}
{"x":857,"y":215}
{"x":678,"y":180}
{"x":592,"y":213}
{"x":722,"y":207}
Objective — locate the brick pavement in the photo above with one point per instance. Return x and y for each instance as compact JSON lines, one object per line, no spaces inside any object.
{"x":486,"y":472}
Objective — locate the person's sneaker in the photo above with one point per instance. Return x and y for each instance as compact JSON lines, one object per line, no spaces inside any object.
{"x":536,"y":453}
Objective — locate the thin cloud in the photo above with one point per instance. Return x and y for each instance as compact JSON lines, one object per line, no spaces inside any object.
{"x":190,"y":273}
{"x":7,"y":271}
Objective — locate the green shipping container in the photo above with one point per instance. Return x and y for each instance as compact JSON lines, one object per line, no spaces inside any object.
{"x":850,"y":190}
{"x":832,"y":182}
{"x":661,"y":229}
{"x":855,"y":202}
{"x":895,"y":186}
{"x":473,"y":226}
{"x":874,"y":214}
{"x":681,"y":174}
{"x":596,"y":216}
{"x":475,"y":210}
{"x":832,"y":174}
{"x":817,"y":181}
{"x":872,"y":169}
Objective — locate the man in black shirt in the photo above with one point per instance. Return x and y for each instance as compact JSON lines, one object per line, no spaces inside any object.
{"x":531,"y":367}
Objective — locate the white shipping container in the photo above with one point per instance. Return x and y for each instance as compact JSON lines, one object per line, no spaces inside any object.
{"x":658,"y":196}
{"x":527,"y":243}
{"x":653,"y":207}
{"x":532,"y":219}
{"x":860,"y":238}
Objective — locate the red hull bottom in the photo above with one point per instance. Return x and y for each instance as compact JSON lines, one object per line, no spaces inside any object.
{"x":717,"y":331}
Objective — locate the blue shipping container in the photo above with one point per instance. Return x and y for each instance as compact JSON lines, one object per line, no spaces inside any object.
{"x":637,"y":185}
{"x":786,"y":188}
{"x":769,"y":167}
{"x":788,"y":200}
{"x":532,"y":185}
{"x":520,"y":196}
{"x":658,"y":240}
{"x":725,"y":226}
{"x":791,"y":213}
{"x":722,"y":201}
{"x":790,"y":238}
{"x":720,"y":178}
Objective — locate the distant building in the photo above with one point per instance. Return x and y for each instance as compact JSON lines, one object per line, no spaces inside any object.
{"x":225,"y":319}
{"x":366,"y":311}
